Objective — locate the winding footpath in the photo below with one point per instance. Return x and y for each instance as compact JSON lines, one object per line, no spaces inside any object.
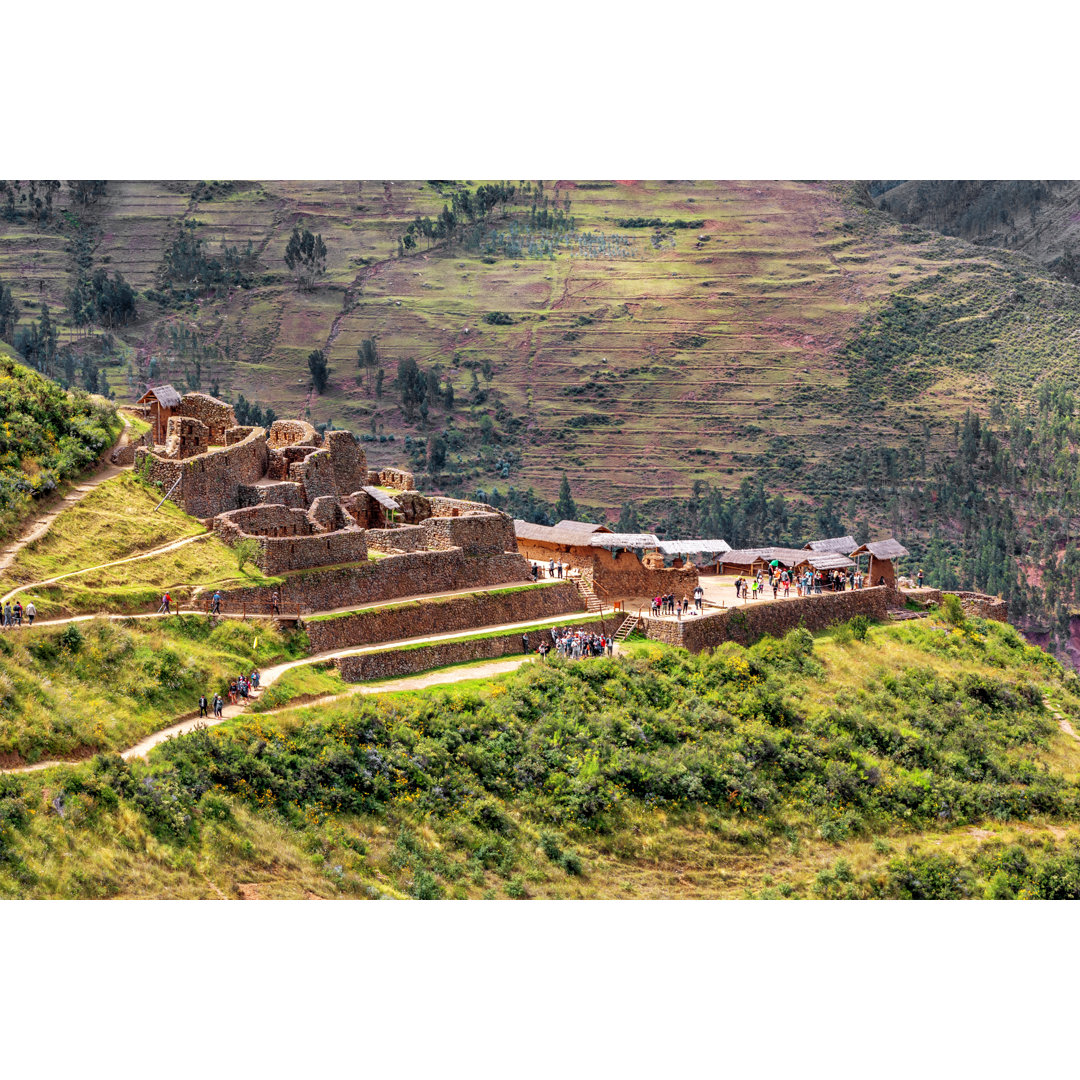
{"x":270,"y":675}
{"x":40,"y":526}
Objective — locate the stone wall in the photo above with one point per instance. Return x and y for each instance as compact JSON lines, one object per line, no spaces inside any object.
{"x":211,"y":482}
{"x":388,"y":578}
{"x":284,"y":494}
{"x":185,"y":437}
{"x":218,"y":416}
{"x":349,"y":462}
{"x":392,"y":663}
{"x":745,"y":624}
{"x":398,"y":479}
{"x":291,"y":433}
{"x":979,"y":605}
{"x":287,"y":539}
{"x":442,"y":615}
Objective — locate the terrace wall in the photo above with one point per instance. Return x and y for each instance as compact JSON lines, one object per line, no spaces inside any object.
{"x":776,"y":618}
{"x":414,"y":574}
{"x":978,"y":605}
{"x":393,"y":663}
{"x":442,"y":615}
{"x":398,"y":479}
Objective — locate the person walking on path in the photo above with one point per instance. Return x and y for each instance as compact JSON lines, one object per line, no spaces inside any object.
{"x":202,"y":705}
{"x":218,"y":706}
{"x":164,"y":609}
{"x":275,"y":603}
{"x":699,"y":594}
{"x":31,"y":612}
{"x":525,"y":644}
{"x":18,"y":610}
{"x":8,"y":621}
{"x":215,"y":603}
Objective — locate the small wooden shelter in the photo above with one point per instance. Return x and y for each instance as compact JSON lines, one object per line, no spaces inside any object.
{"x":838,"y":545}
{"x":881,"y":554}
{"x":161,"y":401}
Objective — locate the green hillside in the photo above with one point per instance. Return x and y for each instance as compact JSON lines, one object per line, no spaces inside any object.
{"x":47,"y":436}
{"x":930,"y":760}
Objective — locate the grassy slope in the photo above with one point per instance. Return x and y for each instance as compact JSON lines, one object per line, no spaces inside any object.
{"x":852,"y":810}
{"x":116,"y":521}
{"x":634,"y":403}
{"x":104,"y":685}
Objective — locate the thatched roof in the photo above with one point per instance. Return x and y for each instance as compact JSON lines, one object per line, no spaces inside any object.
{"x":883,"y":549}
{"x":382,"y":498}
{"x":845,"y":545}
{"x":747,"y":556}
{"x":569,"y":533}
{"x":623,"y":540}
{"x":580,"y":526}
{"x":694,"y":547}
{"x":166,"y":395}
{"x":828,"y":560}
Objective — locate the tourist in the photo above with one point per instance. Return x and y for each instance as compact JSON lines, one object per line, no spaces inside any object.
{"x":202,"y":705}
{"x":559,"y":568}
{"x":255,"y":678}
{"x":525,"y":644}
{"x":215,"y":603}
{"x":18,"y":611}
{"x":699,"y":594}
{"x":275,"y":603}
{"x":610,"y":645}
{"x":8,"y":620}
{"x":919,"y":579}
{"x":218,"y":706}
{"x":232,"y":692}
{"x":164,"y":608}
{"x":551,"y":569}
{"x":534,"y":567}
{"x":31,"y":612}
{"x":753,"y":588}
{"x":775,"y":586}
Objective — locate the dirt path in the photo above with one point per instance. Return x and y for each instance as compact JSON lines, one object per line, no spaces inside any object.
{"x":271,"y":674}
{"x":41,"y":525}
{"x":416,"y":682}
{"x":164,"y":549}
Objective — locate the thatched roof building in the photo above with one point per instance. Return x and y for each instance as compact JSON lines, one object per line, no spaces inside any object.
{"x":881,"y":554}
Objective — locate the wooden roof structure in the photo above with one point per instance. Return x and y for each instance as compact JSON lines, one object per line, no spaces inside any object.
{"x":382,"y":498}
{"x":883,"y":549}
{"x":843,"y":545}
{"x":789,"y":557}
{"x":165,"y":395}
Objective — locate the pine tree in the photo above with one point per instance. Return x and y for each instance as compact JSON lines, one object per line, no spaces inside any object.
{"x":565,"y":508}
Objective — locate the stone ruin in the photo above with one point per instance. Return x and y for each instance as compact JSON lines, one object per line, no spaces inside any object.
{"x":308,"y":500}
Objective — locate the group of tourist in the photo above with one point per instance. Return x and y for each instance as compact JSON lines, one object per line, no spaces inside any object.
{"x":13,"y":614}
{"x":809,"y":583}
{"x":574,"y":644}
{"x":669,"y":605}
{"x":241,"y":686}
{"x":554,"y":570}
{"x":216,"y":704}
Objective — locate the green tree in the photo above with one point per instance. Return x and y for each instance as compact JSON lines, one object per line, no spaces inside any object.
{"x":366,"y":355}
{"x":436,"y":454}
{"x":319,"y":368}
{"x":565,"y":508}
{"x":305,"y":256}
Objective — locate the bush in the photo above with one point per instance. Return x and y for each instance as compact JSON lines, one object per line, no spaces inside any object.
{"x":71,"y":638}
{"x":842,"y":633}
{"x":246,"y":551}
{"x":952,"y":611}
{"x":498,"y":318}
{"x":860,"y":626}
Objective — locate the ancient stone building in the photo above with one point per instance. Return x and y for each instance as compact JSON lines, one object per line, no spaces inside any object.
{"x":185,"y":437}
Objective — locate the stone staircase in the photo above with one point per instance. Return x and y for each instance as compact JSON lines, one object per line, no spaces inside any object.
{"x":626,"y":627}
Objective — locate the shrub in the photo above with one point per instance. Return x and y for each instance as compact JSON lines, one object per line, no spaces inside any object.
{"x":952,"y":611}
{"x":515,"y":888}
{"x":860,"y":626}
{"x":71,"y":638}
{"x":842,"y":633}
{"x":571,"y":863}
{"x":549,"y":844}
{"x":425,"y":887}
{"x":246,"y":551}
{"x":498,"y":318}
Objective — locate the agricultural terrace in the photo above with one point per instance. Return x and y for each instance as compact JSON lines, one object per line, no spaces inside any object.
{"x":680,"y":331}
